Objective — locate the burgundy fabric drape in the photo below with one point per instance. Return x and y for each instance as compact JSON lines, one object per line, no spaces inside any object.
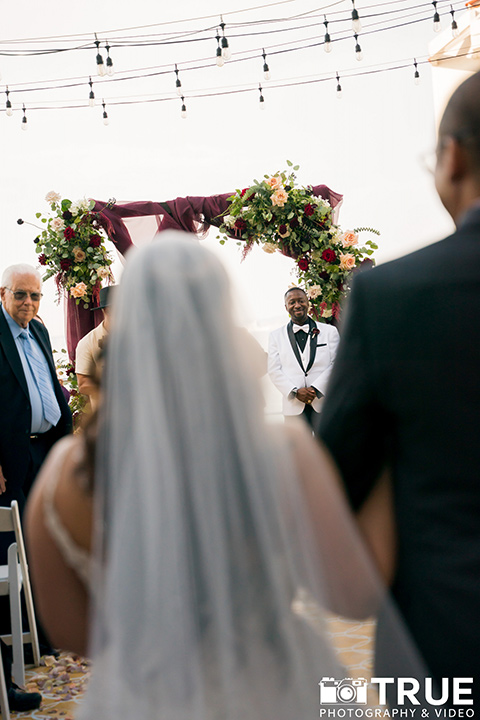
{"x":192,"y":214}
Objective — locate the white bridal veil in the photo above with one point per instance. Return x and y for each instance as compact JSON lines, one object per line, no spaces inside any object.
{"x":206,"y":532}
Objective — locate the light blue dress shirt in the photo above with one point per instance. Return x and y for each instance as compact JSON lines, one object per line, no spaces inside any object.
{"x":39,"y":424}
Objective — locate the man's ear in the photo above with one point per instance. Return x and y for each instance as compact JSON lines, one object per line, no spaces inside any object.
{"x":455,"y":159}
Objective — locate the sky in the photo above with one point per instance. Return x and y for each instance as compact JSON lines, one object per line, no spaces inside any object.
{"x":368,"y":145}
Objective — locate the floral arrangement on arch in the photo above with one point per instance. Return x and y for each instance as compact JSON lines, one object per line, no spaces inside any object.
{"x":283,"y":217}
{"x":72,"y":248}
{"x":67,"y":377}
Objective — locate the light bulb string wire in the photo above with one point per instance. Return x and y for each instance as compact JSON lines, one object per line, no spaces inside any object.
{"x":137,"y":42}
{"x":202,"y":64}
{"x":273,"y":86}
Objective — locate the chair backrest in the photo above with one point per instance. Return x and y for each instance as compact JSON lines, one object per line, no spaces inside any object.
{"x":6,"y":518}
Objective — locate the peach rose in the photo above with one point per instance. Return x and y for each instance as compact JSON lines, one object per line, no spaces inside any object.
{"x":279,"y":197}
{"x":79,"y":290}
{"x":347,"y":261}
{"x":274,"y":183}
{"x":78,"y":254}
{"x":269,"y":247}
{"x":349,"y":239}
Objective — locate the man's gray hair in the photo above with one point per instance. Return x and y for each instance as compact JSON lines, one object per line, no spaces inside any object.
{"x":19,"y":269}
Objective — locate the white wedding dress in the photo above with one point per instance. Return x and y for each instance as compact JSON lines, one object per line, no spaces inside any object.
{"x":204,"y":533}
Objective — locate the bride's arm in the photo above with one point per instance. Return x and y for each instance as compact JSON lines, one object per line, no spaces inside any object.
{"x":61,"y":598}
{"x":352,"y":584}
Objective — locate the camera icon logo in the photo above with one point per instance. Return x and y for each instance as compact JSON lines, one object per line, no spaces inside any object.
{"x":348,"y":690}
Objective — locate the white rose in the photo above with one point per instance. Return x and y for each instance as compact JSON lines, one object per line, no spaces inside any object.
{"x":314,"y":292}
{"x":57,"y":224}
{"x":229,"y":220}
{"x":103,"y":272}
{"x":53,"y":197}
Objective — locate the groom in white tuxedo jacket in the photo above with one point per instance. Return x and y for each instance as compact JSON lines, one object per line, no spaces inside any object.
{"x":300,"y":358}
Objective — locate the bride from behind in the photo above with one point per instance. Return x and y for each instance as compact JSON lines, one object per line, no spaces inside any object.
{"x":207,"y":519}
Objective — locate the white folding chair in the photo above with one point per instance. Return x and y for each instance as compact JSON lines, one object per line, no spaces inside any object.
{"x":13,"y":577}
{"x":5,"y":710}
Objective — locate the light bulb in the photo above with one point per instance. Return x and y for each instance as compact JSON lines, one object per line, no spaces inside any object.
{"x":437,"y":26}
{"x":106,"y":119}
{"x":416,"y":78}
{"x":184,"y":112}
{"x":455,"y":29}
{"x":327,"y":45}
{"x":91,"y":100}
{"x":266,"y":74}
{"x":110,"y":70}
{"x":24,"y":123}
{"x":219,"y":59}
{"x":339,"y":92}
{"x":9,"y":111}
{"x":356,"y":24}
{"x":226,"y":53}
{"x":101,"y":69}
{"x":262,"y":103}
{"x":358,"y":49}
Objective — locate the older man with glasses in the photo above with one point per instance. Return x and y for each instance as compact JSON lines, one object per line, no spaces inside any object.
{"x":34,"y":413}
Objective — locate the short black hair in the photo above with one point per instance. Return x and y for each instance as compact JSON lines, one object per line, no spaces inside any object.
{"x":294,"y":288}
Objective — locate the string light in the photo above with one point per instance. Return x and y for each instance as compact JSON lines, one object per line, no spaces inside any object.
{"x":356,"y":24}
{"x":358,"y":49}
{"x":178,"y":82}
{"x":24,"y":119}
{"x":8,"y":104}
{"x":266,"y":69}
{"x":91,"y":95}
{"x":327,"y":41}
{"x":225,"y":48}
{"x":219,"y":57}
{"x":261,"y":98}
{"x":416,"y":75}
{"x":99,"y":59}
{"x":454,"y":23}
{"x":183,"y":111}
{"x":106,"y":120}
{"x":109,"y":61}
{"x":339,"y":88}
{"x":436,"y":18}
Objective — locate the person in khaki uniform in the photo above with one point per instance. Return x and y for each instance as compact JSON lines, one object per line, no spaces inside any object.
{"x":89,"y":355}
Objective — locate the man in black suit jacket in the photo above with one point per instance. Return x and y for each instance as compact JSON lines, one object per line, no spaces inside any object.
{"x":25,"y":435}
{"x":405,"y":394}
{"x":28,"y":382}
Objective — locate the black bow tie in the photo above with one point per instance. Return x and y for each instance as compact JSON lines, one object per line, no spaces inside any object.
{"x":301,"y":338}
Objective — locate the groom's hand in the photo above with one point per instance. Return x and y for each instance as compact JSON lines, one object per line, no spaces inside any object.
{"x":306,"y":395}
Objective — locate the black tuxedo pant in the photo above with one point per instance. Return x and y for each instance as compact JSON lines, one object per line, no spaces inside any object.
{"x":309,"y":416}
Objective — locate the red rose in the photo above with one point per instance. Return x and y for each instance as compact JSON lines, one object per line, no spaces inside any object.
{"x":65,"y":264}
{"x":303,"y":263}
{"x":294,"y":223}
{"x":243,"y":192}
{"x":282,"y":229}
{"x":315,"y":331}
{"x":240,"y":225}
{"x":329,"y":255}
{"x":95,"y":241}
{"x":308,"y":209}
{"x":69,"y":233}
{"x":42,"y":259}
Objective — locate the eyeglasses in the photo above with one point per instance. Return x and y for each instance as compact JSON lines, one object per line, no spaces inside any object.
{"x":21,"y":295}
